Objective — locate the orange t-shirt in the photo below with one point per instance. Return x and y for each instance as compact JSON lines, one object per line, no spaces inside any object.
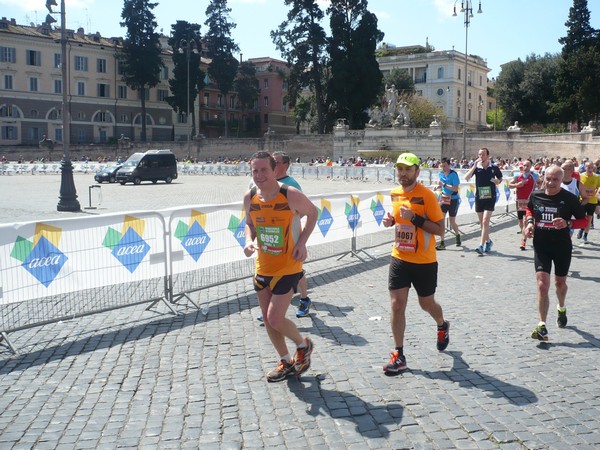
{"x":413,"y":244}
{"x":277,"y":230}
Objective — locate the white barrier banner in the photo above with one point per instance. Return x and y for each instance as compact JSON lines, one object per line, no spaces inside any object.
{"x":41,"y":259}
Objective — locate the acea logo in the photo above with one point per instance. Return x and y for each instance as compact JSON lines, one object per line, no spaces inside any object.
{"x":325,"y":218}
{"x":471,"y":195}
{"x":351,"y":211}
{"x":192,"y":235}
{"x":237,"y":226}
{"x":41,"y":257}
{"x":128,"y":246}
{"x":377,"y":208}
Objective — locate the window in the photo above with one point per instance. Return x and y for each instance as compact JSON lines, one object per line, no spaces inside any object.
{"x":58,"y":134}
{"x":81,"y":115}
{"x":440,"y":91}
{"x":8,"y":55}
{"x":162,"y":95}
{"x":81,"y":136}
{"x":440,"y":72}
{"x":58,"y":86}
{"x":266,"y":101}
{"x":54,"y":115}
{"x":206,"y":97}
{"x":33,"y":84}
{"x":34,"y":113}
{"x":146,"y":94}
{"x":9,"y":133}
{"x":232,"y":101}
{"x":57,"y":58}
{"x":103,"y":90}
{"x":164,"y":73}
{"x":120,"y":67}
{"x":459,"y":74}
{"x":33,"y":58}
{"x":101,"y":65}
{"x":266,"y":118}
{"x":122,"y":91}
{"x":103,"y":117}
{"x":469,"y":114}
{"x":219,"y":100}
{"x":266,"y":83}
{"x":480,"y":80}
{"x":8,"y":82}
{"x":231,"y":118}
{"x":206,"y":116}
{"x":124,"y":118}
{"x":81,"y":88}
{"x":81,"y":63}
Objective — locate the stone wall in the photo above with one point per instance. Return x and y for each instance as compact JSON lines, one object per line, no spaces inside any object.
{"x":350,"y":143}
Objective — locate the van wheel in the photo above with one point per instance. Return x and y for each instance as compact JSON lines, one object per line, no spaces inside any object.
{"x":137,"y":180}
{"x":154,"y":181}
{"x":168,"y":180}
{"x":112,"y":180}
{"x":122,"y":183}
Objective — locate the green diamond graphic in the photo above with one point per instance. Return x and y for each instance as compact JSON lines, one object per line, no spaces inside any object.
{"x":22,"y":249}
{"x":112,"y":238}
{"x":181,"y":230}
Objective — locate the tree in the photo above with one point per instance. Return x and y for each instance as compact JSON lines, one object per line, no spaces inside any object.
{"x":422,"y":112}
{"x":577,"y":88}
{"x":246,"y":85}
{"x":301,"y":112}
{"x":301,"y":41}
{"x":356,"y":78}
{"x":184,"y":40}
{"x":221,"y":47}
{"x":401,"y":79}
{"x":508,"y":89}
{"x":537,"y":88}
{"x":141,"y":54}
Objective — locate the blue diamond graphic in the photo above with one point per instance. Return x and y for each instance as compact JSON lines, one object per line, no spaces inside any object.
{"x":45,"y":261}
{"x":131,"y":250}
{"x":325,"y":221}
{"x":195,"y":241}
{"x":353,"y":217}
{"x":240,"y":235}
{"x":378,"y":212}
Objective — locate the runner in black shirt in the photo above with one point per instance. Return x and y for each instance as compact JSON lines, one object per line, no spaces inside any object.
{"x":548,"y":219}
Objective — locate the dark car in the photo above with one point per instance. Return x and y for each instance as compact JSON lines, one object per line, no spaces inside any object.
{"x":152,"y":165}
{"x":108,"y":174}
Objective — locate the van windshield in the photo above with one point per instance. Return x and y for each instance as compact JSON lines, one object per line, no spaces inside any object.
{"x":131,"y":162}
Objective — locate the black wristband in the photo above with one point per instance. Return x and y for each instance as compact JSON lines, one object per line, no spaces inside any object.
{"x":530,"y":221}
{"x":418,"y":221}
{"x":393,"y":222}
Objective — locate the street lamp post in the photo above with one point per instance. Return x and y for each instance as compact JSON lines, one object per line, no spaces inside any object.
{"x":67,"y":199}
{"x":466,"y":7}
{"x":189,"y":45}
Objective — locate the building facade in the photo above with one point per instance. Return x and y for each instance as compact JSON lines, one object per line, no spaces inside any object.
{"x":101,"y":106}
{"x":439,"y":76}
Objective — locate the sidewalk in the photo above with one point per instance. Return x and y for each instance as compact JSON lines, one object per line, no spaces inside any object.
{"x":147,"y":379}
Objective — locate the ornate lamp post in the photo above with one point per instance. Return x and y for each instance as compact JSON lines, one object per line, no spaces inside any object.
{"x":466,"y":7}
{"x":67,"y":200}
{"x":188,"y":46}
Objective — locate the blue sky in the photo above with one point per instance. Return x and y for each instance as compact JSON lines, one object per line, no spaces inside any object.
{"x":506,"y":30}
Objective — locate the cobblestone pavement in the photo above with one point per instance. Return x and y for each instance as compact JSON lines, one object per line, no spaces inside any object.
{"x":133,"y":378}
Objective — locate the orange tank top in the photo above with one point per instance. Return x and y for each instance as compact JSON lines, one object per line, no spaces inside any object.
{"x":277,"y":230}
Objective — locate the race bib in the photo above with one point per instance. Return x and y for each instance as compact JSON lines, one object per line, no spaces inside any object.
{"x":445,"y":199}
{"x":485,"y":192}
{"x":522,"y":204}
{"x":406,"y":238}
{"x":546,"y":218}
{"x":270,"y":239}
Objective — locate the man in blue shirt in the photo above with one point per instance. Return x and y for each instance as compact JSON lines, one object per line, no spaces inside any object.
{"x":449,"y":199}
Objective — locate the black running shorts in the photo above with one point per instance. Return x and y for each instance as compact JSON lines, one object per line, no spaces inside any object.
{"x":422,"y":276}
{"x":546,"y":253}
{"x":279,"y":285}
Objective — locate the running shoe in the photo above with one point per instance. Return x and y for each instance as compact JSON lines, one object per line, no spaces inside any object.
{"x":281,"y":372}
{"x":441,"y":246}
{"x":303,"y":307}
{"x":561,"y":321}
{"x":523,"y":245}
{"x":540,"y":333}
{"x":488,"y":246}
{"x":397,"y":363}
{"x":580,"y":233}
{"x":458,"y":242}
{"x":479,"y":249}
{"x":443,"y":336}
{"x":260,"y":317}
{"x":302,"y":357}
